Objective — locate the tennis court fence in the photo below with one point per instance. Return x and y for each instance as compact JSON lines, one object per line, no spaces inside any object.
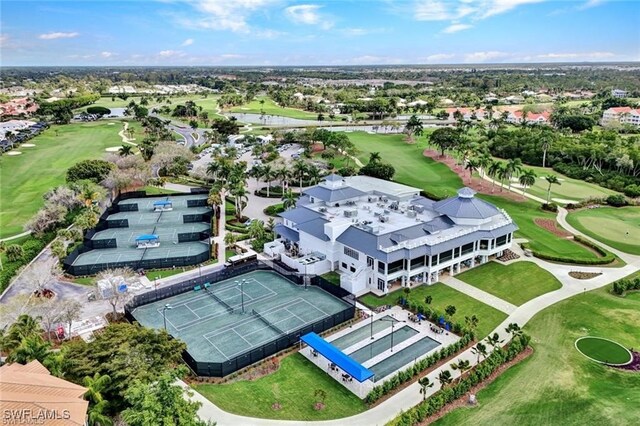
{"x":284,"y":341}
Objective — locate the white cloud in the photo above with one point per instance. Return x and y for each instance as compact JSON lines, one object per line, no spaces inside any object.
{"x":590,"y":3}
{"x":436,"y":10}
{"x":585,"y":56}
{"x":57,"y":35}
{"x":187,"y":42}
{"x":454,"y":28}
{"x":230,"y":15}
{"x":439,"y":57}
{"x":308,"y":14}
{"x":107,"y":54}
{"x":480,"y":57}
{"x":231,"y":56}
{"x":356,"y":32}
{"x":496,"y":7}
{"x":171,"y":54}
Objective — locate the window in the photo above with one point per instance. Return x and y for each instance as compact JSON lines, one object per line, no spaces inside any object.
{"x":501,"y":240}
{"x":381,"y":267}
{"x":352,"y":268}
{"x":381,"y":284}
{"x":417,"y":262}
{"x":484,"y":244}
{"x":370,"y":262}
{"x":467,"y":248}
{"x":344,"y":265}
{"x":396,"y":266}
{"x":447,"y":255}
{"x":351,"y":253}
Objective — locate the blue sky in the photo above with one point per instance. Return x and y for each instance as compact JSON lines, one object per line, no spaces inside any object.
{"x":337,"y":32}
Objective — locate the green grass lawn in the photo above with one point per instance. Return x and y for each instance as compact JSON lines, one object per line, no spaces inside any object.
{"x":89,"y":281}
{"x":516,"y":283}
{"x":444,"y":296}
{"x":557,"y":384}
{"x":524,"y":213}
{"x":333,"y":277}
{"x":26,"y":177}
{"x":271,"y":108}
{"x":569,"y":189}
{"x":603,"y":350}
{"x":412,"y":167}
{"x":154,"y":190}
{"x":616,"y":227}
{"x":293,"y":387}
{"x":164,"y":273}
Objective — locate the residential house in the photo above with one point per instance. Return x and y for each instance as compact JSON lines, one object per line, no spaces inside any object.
{"x":622,"y":115}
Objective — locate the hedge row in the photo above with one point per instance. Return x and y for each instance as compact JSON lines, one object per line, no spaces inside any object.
{"x":606,"y":258}
{"x":620,"y":287}
{"x":31,"y":247}
{"x":482,"y":371}
{"x":406,"y":375}
{"x":235,"y":228}
{"x":274,"y":210}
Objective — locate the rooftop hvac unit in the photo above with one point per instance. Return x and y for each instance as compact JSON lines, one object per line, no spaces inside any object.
{"x":419,"y":209}
{"x":411,"y":213}
{"x":386,"y":211}
{"x":350,"y":213}
{"x":323,"y":210}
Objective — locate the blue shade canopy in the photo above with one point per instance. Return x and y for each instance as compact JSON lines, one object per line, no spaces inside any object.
{"x":162,"y":203}
{"x":147,"y":237}
{"x":287,"y":233}
{"x":336,"y":356}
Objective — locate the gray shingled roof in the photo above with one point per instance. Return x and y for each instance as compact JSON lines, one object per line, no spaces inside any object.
{"x":465,"y":206}
{"x":287,"y":233}
{"x":333,"y":178}
{"x":300,"y":215}
{"x":333,"y":195}
{"x":314,"y":227}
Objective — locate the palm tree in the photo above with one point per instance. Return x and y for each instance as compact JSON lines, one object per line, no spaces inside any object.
{"x":230,"y":239}
{"x":240,"y":198}
{"x":268,"y":175}
{"x":256,"y":229}
{"x":289,"y":200}
{"x":374,"y":157}
{"x":300,"y":169}
{"x":552,"y":179}
{"x":527,"y":179}
{"x":492,"y":171}
{"x":484,"y":161}
{"x":514,"y":167}
{"x":444,"y":378}
{"x":545,"y":147}
{"x":314,"y":174}
{"x":503,"y":173}
{"x":513,"y":329}
{"x":125,"y":151}
{"x":472,"y":165}
{"x":95,"y":386}
{"x":471,"y":322}
{"x":425,"y":384}
{"x":462,"y":365}
{"x":480,"y":350}
{"x":96,"y":416}
{"x":494,"y":340}
{"x":30,"y":348}
{"x":89,"y":194}
{"x":24,"y":326}
{"x":283,"y":174}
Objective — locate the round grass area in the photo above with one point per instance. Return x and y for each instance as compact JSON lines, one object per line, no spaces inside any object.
{"x":603,"y":350}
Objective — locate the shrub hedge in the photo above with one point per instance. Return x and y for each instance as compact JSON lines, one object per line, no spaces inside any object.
{"x":482,"y":371}
{"x":620,"y":287}
{"x":607,"y":257}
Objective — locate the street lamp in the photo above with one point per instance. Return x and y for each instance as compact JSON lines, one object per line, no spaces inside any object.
{"x":393,"y":324}
{"x":164,"y":314}
{"x":241,"y":284}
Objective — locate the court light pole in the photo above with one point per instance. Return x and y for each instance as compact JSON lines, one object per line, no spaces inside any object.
{"x":241,"y":284}
{"x":164,"y":314}
{"x":393,"y":322}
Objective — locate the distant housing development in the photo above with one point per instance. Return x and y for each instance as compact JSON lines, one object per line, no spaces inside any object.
{"x":622,"y":115}
{"x":379,"y":234}
{"x":18,"y":107}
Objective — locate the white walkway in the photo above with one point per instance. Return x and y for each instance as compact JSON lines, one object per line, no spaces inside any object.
{"x":481,"y":295}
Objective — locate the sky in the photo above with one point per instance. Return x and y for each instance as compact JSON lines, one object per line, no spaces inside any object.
{"x":335,"y":32}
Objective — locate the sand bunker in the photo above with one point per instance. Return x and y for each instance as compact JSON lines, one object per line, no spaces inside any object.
{"x":111,"y":124}
{"x":113,"y":149}
{"x":14,"y":153}
{"x":28,"y":145}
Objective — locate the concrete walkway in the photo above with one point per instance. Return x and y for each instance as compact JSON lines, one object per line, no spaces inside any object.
{"x":481,"y":295}
{"x":15,"y":237}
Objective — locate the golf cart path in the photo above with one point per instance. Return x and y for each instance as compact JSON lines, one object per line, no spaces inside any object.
{"x":478,"y":294}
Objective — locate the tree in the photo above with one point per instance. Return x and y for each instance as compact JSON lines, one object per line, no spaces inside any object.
{"x":93,"y":170}
{"x":90,"y":193}
{"x":161,"y":402}
{"x":95,"y":385}
{"x":240,"y":198}
{"x":551,"y":179}
{"x":527,"y":179}
{"x":472,"y":165}
{"x":514,"y":329}
{"x":320,"y":396}
{"x":375,"y":157}
{"x":428,"y":300}
{"x":114,"y":294}
{"x":413,"y":127}
{"x":492,"y":171}
{"x":480,"y":350}
{"x":299,"y":171}
{"x":125,"y":151}
{"x":444,"y":378}
{"x":40,"y":274}
{"x":425,"y":384}
{"x":25,"y":326}
{"x":14,"y":252}
{"x":513,"y":167}
{"x":49,"y":312}
{"x":494,"y":340}
{"x":378,"y":170}
{"x":86,"y":220}
{"x":462,"y":365}
{"x":450,"y":310}
{"x":503,"y":173}
{"x":125,"y":352}
{"x":31,"y":348}
{"x":445,"y":138}
{"x":471,"y":322}
{"x":256,"y":229}
{"x":96,"y":415}
{"x":70,"y":311}
{"x":546,"y":144}
{"x":268,"y":175}
{"x":289,"y":199}
{"x":230,"y":239}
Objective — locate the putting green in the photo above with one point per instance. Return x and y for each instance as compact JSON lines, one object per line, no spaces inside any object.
{"x":617,"y":227}
{"x":603,"y":350}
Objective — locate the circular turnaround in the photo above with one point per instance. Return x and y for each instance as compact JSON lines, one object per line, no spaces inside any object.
{"x":604,"y":351}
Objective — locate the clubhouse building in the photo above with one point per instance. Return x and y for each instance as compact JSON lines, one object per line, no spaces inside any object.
{"x":378,"y":234}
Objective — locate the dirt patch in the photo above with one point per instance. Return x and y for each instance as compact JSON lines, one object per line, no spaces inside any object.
{"x":476,"y":183}
{"x":552,"y":226}
{"x":584,"y":275}
{"x":463,"y":401}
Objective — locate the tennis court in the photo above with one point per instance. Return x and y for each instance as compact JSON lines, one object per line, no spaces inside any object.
{"x":182,"y":234}
{"x":363,"y":333}
{"x":212,"y":323}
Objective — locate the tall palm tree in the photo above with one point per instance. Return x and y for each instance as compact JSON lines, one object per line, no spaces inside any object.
{"x":480,"y":349}
{"x":503,"y":173}
{"x":374,"y":157}
{"x":471,"y":322}
{"x":551,"y":179}
{"x":24,"y":326}
{"x":462,"y":365}
{"x":230,"y":239}
{"x":472,"y":165}
{"x":513,"y":329}
{"x":314,"y":174}
{"x":492,"y":171}
{"x":514,"y":168}
{"x":256,"y":229}
{"x":240,"y":196}
{"x":31,"y":348}
{"x":527,"y":179}
{"x":95,"y":386}
{"x":425,"y":384}
{"x":484,"y":160}
{"x":299,"y":171}
{"x":96,"y":415}
{"x":268,"y":175}
{"x":125,"y":151}
{"x":546,"y":144}
{"x":444,"y":378}
{"x":289,"y":199}
{"x":283,"y":174}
